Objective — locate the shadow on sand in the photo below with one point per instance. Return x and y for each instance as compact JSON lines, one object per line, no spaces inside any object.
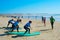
{"x":3,"y":34}
{"x":18,"y":36}
{"x":1,"y":27}
{"x":45,"y":30}
{"x":9,"y":28}
{"x":5,"y":27}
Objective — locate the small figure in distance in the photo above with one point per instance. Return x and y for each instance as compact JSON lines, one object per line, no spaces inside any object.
{"x":52,"y":20}
{"x":44,"y":21}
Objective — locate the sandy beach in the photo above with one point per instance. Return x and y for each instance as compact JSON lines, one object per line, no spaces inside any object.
{"x":46,"y":32}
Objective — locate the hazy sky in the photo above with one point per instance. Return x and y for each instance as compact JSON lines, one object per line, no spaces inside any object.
{"x":29,"y":6}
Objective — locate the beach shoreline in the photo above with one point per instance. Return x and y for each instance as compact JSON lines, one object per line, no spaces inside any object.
{"x":46,"y":32}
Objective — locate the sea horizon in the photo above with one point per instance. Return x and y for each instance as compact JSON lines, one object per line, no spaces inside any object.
{"x":34,"y":16}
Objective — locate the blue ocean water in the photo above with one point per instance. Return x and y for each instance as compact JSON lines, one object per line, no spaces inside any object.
{"x":39,"y":16}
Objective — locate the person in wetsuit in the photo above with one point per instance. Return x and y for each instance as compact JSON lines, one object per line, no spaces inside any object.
{"x":27,"y":27}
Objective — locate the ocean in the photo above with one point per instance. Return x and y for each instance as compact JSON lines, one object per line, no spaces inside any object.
{"x":39,"y":16}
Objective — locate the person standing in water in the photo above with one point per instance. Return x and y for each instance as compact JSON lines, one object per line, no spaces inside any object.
{"x":27,"y":27}
{"x":52,"y":20}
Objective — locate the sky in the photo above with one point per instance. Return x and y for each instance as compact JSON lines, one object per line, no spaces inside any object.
{"x":30,"y":6}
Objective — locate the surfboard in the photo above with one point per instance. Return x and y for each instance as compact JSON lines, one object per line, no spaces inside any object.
{"x":22,"y":33}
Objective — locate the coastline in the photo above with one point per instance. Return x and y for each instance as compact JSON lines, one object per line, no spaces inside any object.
{"x":37,"y":25}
